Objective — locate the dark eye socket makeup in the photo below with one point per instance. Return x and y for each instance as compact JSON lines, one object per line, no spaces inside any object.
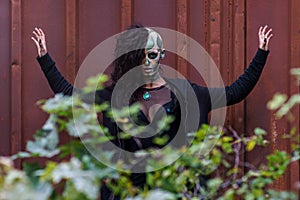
{"x":152,"y":55}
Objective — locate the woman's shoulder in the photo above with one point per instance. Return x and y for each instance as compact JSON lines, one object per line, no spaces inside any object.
{"x":184,"y":83}
{"x":105,"y":93}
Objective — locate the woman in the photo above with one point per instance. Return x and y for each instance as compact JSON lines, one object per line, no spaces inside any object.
{"x":155,"y":93}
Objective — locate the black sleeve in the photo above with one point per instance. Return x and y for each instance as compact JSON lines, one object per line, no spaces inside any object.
{"x":238,"y":90}
{"x":56,"y":81}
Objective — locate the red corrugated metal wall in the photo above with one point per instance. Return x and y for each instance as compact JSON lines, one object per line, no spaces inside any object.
{"x":226,"y":29}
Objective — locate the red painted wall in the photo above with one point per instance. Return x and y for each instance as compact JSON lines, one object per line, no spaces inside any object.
{"x":226,"y":29}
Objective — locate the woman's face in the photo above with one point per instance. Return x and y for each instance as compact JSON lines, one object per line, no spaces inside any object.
{"x":154,"y":52}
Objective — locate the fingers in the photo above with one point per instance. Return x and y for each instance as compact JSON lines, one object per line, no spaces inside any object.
{"x":37,"y":46}
{"x":264,"y":35}
{"x":259,"y":31}
{"x":35,"y":41}
{"x":42,"y":33}
{"x":268,"y":39}
{"x":264,"y":29}
{"x":36,"y":35}
{"x":39,"y":34}
{"x":40,"y":37}
{"x":268,"y":33}
{"x":40,"y":41}
{"x":268,"y":36}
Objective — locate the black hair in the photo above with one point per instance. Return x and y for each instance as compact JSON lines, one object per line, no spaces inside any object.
{"x":135,"y":38}
{"x":130,"y":53}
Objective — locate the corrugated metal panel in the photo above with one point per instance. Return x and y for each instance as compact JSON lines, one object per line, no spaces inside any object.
{"x":5,"y":116}
{"x":156,"y":14}
{"x":294,"y":56}
{"x":276,"y":77}
{"x":49,"y":15}
{"x":226,"y":29}
{"x":16,"y":78}
{"x":97,"y":20}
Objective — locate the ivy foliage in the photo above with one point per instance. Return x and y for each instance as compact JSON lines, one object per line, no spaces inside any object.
{"x":208,"y":168}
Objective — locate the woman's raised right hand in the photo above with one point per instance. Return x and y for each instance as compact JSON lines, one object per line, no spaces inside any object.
{"x":40,"y":41}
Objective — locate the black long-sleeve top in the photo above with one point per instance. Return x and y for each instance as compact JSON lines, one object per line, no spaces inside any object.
{"x":207,"y":98}
{"x":185,"y":103}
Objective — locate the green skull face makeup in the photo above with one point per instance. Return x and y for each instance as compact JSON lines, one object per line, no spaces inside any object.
{"x":154,"y":52}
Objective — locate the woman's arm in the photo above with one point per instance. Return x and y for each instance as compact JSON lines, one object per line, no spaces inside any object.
{"x":241,"y":88}
{"x":56,"y":81}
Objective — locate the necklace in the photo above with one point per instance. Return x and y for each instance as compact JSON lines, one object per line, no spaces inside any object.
{"x":146,"y":96}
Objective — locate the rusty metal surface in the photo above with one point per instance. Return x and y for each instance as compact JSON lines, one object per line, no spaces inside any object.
{"x":16,"y":80}
{"x":295,"y":63}
{"x":49,"y":15}
{"x":5,"y":78}
{"x":157,"y":14}
{"x":226,"y":29}
{"x":276,"y":77}
{"x":197,"y":29}
{"x":126,"y":13}
{"x":98,"y":20}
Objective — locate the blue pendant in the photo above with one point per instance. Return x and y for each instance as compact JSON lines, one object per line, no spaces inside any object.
{"x":146,"y":96}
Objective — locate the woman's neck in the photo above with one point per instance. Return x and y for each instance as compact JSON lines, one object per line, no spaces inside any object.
{"x":154,"y":84}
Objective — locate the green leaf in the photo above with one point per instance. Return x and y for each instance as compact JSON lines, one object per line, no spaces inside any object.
{"x":260,"y":131}
{"x":227,"y":148}
{"x":229,"y":195}
{"x":161,"y":140}
{"x":59,"y":104}
{"x":227,"y":139}
{"x":95,"y":83}
{"x":84,"y":181}
{"x":156,"y":194}
{"x":296,"y":72}
{"x":46,"y":174}
{"x":46,"y":140}
{"x":30,"y":169}
{"x":277,"y":101}
{"x":21,"y":154}
{"x":250,"y":145}
{"x":286,"y":108}
{"x":71,"y":193}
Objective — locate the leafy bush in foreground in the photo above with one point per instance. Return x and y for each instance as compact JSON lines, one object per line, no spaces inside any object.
{"x":209,"y":168}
